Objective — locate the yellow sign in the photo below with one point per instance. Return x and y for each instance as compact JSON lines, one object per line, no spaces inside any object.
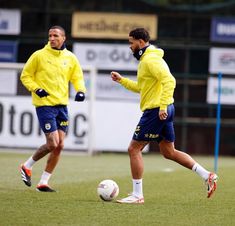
{"x":111,"y":25}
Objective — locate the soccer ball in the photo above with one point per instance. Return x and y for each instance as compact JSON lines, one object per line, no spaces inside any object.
{"x":107,"y":190}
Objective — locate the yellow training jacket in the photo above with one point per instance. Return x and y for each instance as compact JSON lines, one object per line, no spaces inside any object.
{"x":155,"y":82}
{"x":52,"y":70}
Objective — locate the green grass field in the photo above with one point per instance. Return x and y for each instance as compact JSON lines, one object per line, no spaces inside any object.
{"x":173,"y":195}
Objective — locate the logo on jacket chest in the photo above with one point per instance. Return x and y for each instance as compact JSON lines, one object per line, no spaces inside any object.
{"x":64,"y":63}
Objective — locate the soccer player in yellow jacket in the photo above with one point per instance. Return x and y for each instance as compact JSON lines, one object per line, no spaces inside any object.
{"x":46,"y":75}
{"x":156,"y":85}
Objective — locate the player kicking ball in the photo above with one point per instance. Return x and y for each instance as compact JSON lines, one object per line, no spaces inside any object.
{"x":156,"y":86}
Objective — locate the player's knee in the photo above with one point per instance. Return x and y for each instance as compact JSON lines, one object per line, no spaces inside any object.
{"x":51,"y":146}
{"x":168,"y":154}
{"x":133,"y":151}
{"x":55,"y":146}
{"x":60,"y":146}
{"x":167,"y":150}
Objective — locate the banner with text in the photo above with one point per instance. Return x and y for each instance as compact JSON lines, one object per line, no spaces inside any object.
{"x":114,"y":124}
{"x":223,"y":29}
{"x":8,"y":51}
{"x":227,"y":91}
{"x":222,"y":60}
{"x":106,"y":56}
{"x":111,"y":25}
{"x":10,"y":22}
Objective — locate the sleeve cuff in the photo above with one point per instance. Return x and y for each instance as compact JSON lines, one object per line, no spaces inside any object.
{"x":163,"y":107}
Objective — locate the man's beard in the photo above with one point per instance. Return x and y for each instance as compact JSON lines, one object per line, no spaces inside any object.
{"x":139,"y":52}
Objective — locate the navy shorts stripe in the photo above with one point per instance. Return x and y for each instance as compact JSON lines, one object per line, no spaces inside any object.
{"x":151,"y":128}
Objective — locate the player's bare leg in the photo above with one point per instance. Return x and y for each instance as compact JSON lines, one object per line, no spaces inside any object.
{"x":52,"y":140}
{"x":137,"y":169}
{"x":57,"y":145}
{"x":136,"y":160}
{"x":26,"y":168}
{"x":168,"y":150}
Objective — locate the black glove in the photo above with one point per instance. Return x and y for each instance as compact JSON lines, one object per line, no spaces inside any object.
{"x":42,"y":93}
{"x":80,"y":96}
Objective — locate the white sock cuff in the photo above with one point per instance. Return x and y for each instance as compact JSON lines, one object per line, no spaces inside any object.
{"x":45,"y":177}
{"x":201,"y":171}
{"x":137,"y":187}
{"x":195,"y":166}
{"x":29,"y":163}
{"x":46,"y":174}
{"x":137,"y":181}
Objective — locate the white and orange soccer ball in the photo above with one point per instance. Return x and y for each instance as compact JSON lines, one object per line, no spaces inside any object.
{"x":107,"y":190}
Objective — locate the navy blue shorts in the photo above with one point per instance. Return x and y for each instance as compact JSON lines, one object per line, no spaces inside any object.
{"x":151,"y":128}
{"x":52,"y":118}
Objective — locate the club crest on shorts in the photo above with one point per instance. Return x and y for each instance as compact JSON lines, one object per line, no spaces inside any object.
{"x":47,"y":126}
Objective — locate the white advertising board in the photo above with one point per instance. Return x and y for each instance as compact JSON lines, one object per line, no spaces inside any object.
{"x":10,"y":21}
{"x":106,"y":56}
{"x":8,"y":81}
{"x":114,"y":124}
{"x":222,"y":60}
{"x":227,"y":91}
{"x":107,"y":89}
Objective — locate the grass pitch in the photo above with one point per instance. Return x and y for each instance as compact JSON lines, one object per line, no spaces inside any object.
{"x":174,"y":196}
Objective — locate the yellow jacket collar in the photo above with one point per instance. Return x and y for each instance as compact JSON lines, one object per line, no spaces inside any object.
{"x":55,"y":52}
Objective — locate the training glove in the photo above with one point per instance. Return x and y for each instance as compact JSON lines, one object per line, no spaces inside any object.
{"x":42,"y":93}
{"x":80,"y":96}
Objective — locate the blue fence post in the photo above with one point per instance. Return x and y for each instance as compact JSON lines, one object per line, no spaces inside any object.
{"x":217,"y":132}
